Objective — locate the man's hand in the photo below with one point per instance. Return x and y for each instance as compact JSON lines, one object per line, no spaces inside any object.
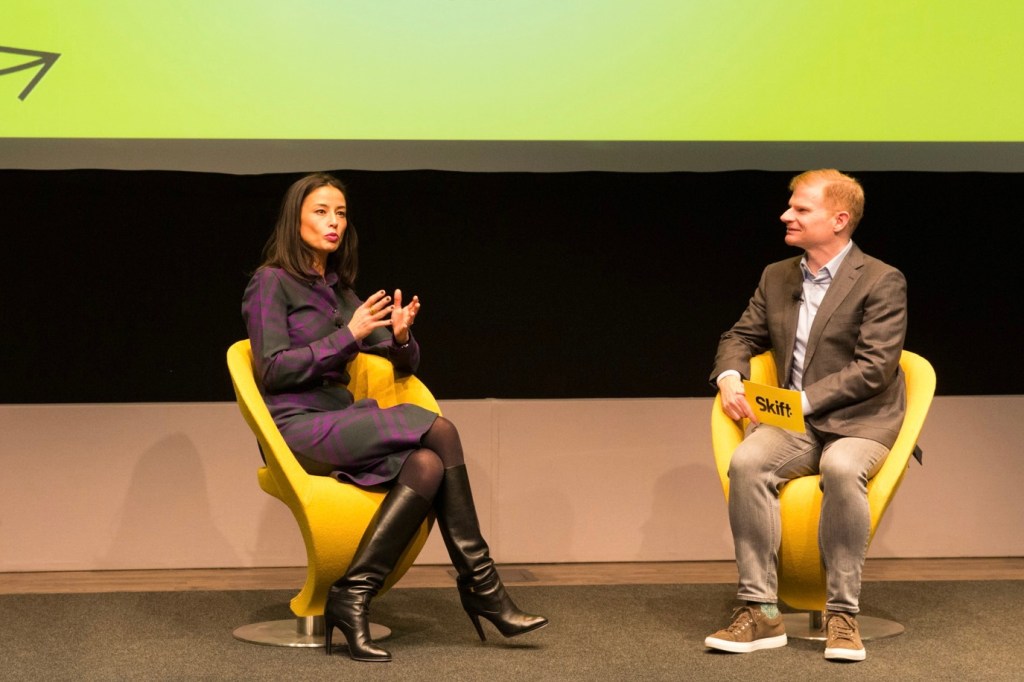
{"x":734,"y":401}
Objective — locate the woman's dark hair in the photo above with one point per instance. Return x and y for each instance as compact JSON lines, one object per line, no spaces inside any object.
{"x":285,"y":248}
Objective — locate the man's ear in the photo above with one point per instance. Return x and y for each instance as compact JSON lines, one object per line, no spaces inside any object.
{"x":842,"y":219}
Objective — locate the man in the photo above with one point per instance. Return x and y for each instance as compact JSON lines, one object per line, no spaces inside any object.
{"x":836,"y":320}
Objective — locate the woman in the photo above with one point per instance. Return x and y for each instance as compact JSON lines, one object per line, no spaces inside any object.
{"x":305,"y":324}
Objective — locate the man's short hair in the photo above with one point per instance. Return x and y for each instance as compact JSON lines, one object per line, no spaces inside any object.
{"x":841,"y":192}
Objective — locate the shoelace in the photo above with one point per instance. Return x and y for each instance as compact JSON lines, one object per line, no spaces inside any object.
{"x":840,"y":628}
{"x":739,"y":623}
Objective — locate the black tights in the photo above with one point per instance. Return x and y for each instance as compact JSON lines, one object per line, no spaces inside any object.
{"x":423,"y":471}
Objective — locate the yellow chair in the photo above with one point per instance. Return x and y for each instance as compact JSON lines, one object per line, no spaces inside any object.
{"x":331,"y":515}
{"x":801,"y":572}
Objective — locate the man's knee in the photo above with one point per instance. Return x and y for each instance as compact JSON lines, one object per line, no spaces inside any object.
{"x":852,"y":460}
{"x":748,"y":460}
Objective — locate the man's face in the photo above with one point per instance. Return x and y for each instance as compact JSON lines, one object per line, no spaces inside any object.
{"x":810,"y":222}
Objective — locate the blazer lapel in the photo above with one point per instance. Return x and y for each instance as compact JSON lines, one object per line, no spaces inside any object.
{"x":793,"y":284}
{"x":842,"y":284}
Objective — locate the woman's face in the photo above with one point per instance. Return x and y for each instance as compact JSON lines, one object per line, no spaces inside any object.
{"x":323,"y":221}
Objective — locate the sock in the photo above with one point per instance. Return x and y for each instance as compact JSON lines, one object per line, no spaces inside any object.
{"x":770,"y":610}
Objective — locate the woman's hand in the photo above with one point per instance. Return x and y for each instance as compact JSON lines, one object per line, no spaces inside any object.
{"x":371,"y":315}
{"x":402,"y":318}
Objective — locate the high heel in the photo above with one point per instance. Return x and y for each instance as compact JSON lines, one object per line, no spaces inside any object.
{"x":489,"y":600}
{"x":480,"y":588}
{"x":351,"y":615}
{"x":475,"y":620}
{"x":382,"y":545}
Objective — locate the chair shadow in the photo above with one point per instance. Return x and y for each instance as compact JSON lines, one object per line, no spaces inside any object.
{"x":168,"y":477}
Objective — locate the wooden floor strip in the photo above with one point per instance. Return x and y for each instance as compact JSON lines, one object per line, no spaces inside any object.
{"x":170,"y":580}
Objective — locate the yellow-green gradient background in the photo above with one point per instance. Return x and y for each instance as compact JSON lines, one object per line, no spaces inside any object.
{"x":672,"y":70}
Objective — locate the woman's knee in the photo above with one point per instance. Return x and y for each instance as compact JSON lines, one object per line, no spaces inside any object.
{"x":443,"y":438}
{"x":443,"y":430}
{"x":426,"y":461}
{"x":423,"y":471}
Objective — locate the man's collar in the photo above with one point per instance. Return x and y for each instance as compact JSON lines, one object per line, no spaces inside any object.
{"x":831,"y":267}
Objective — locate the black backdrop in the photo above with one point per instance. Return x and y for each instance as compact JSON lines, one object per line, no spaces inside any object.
{"x":125,"y":286}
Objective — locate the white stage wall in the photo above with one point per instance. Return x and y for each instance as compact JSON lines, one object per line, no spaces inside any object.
{"x":130,"y":486}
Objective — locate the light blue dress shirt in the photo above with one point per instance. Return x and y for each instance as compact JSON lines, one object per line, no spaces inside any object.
{"x":814,"y":289}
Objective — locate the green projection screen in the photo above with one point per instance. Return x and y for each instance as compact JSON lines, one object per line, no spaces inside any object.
{"x":511,"y":84}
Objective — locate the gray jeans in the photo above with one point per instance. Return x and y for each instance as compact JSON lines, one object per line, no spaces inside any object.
{"x":769,"y":457}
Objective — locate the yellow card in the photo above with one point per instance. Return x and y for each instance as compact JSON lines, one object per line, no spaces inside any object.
{"x":776,"y":406}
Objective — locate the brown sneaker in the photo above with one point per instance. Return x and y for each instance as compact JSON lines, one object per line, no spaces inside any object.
{"x":750,"y":630}
{"x":842,"y":638}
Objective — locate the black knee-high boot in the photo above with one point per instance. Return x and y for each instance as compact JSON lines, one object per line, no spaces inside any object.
{"x":386,"y":538}
{"x":480,"y":588}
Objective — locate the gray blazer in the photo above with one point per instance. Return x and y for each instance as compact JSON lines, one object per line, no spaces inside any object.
{"x":852,"y":374}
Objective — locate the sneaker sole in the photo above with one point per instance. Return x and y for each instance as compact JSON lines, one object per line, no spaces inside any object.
{"x":746,"y":647}
{"x":845,"y":654}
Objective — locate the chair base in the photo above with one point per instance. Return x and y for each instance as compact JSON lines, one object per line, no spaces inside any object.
{"x":809,"y":626}
{"x":301,"y":632}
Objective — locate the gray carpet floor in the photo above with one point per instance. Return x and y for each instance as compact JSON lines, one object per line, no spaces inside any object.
{"x":954,"y":631}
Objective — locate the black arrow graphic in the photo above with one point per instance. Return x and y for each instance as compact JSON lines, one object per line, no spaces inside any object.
{"x":43,"y":59}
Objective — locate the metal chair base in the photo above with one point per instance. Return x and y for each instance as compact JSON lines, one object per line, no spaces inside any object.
{"x":810,"y":626}
{"x":303,"y":632}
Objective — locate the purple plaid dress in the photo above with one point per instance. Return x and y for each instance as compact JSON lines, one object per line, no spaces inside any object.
{"x":300,"y":348}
